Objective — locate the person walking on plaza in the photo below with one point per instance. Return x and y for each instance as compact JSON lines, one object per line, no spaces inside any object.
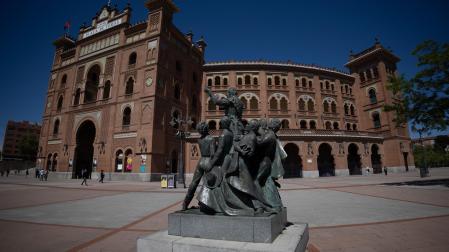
{"x":41,"y":175}
{"x":385,"y":171}
{"x":84,"y":175}
{"x":46,"y":174}
{"x":7,"y":172}
{"x":101,"y":176}
{"x":27,"y":173}
{"x":37,"y":173}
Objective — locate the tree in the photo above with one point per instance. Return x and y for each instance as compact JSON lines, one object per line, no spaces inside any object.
{"x":423,"y":101}
{"x":28,"y":147}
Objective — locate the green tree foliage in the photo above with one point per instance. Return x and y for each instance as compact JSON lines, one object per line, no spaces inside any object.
{"x":433,"y":156}
{"x":423,"y":101}
{"x":28,"y":147}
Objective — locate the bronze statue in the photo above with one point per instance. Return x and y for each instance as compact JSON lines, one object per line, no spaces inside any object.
{"x":240,"y":176}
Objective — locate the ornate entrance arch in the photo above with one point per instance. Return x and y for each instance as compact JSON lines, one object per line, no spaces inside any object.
{"x":84,"y":151}
{"x":293,"y":162}
{"x":354,"y":164}
{"x":326,"y":165}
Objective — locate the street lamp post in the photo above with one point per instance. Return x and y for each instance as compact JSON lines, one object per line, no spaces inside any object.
{"x":181,"y":134}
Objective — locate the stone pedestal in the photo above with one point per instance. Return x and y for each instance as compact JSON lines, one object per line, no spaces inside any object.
{"x":293,"y":238}
{"x":192,"y":223}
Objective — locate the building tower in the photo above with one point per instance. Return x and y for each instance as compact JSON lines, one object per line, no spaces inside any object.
{"x":372,"y":69}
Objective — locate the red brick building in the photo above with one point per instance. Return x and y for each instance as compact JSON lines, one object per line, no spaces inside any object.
{"x":115,"y":89}
{"x":14,"y":133}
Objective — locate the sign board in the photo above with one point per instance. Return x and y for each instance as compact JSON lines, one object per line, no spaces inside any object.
{"x":119,"y":167}
{"x":102,"y":26}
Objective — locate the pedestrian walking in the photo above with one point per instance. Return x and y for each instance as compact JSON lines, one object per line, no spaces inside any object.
{"x":84,"y":175}
{"x":46,"y":174}
{"x":101,"y":176}
{"x":27,"y":173}
{"x":41,"y":175}
{"x":385,"y":171}
{"x":36,"y":172}
{"x":7,"y":172}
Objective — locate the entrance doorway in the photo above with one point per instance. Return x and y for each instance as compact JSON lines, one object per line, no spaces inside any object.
{"x":405,"y":154}
{"x":326,"y":165}
{"x":293,"y":163}
{"x":354,"y":164}
{"x":84,"y":151}
{"x":376,"y":159}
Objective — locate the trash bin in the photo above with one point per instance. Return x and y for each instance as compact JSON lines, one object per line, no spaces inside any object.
{"x":171,"y":180}
{"x":164,"y":180}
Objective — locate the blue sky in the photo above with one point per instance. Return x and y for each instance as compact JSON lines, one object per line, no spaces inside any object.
{"x":313,"y":32}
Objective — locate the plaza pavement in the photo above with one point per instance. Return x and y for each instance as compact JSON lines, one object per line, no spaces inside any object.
{"x":355,"y":213}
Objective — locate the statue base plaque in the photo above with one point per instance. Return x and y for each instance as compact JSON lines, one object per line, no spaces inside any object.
{"x":193,"y":223}
{"x":293,"y":238}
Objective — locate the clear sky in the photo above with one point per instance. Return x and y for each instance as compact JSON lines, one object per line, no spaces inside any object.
{"x":318,"y":32}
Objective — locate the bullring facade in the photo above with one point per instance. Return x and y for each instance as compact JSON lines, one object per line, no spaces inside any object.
{"x":114,"y":92}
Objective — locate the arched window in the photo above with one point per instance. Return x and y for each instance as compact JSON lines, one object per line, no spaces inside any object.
{"x":106,"y":90}
{"x":129,"y":86}
{"x":304,"y":83}
{"x":350,"y":91}
{"x":327,"y":85}
{"x":253,"y":103}
{"x":255,"y":81}
{"x":211,"y":105}
{"x":177,"y":92}
{"x":372,"y":95}
{"x":346,"y":107}
{"x":301,"y":105}
{"x":310,"y":84}
{"x":348,"y":126}
{"x":328,"y":125}
{"x":303,"y":124}
{"x":332,"y":87}
{"x":297,"y":82}
{"x":212,"y":125}
{"x":93,"y":80}
{"x":284,"y":104}
{"x":285,"y":124}
{"x":269,"y":82}
{"x":244,"y":101}
{"x":346,"y":89}
{"x":312,"y":124}
{"x":354,"y":126}
{"x":369,"y":76}
{"x":132,"y":58}
{"x":284,"y":82}
{"x":126,"y":120}
{"x":209,"y":82}
{"x":362,"y":76}
{"x":56,"y":127}
{"x":239,"y":81}
{"x":326,"y":107}
{"x":277,"y":81}
{"x":375,"y":72}
{"x":376,"y":119}
{"x":225,"y":81}
{"x":310,"y":105}
{"x":336,"y":126}
{"x":334,"y":107}
{"x":77,"y":97}
{"x":352,"y":110}
{"x":59,"y":106}
{"x":63,"y":80}
{"x":217,"y":80}
{"x":247,"y":80}
{"x":273,"y":104}
{"x":321,"y":85}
